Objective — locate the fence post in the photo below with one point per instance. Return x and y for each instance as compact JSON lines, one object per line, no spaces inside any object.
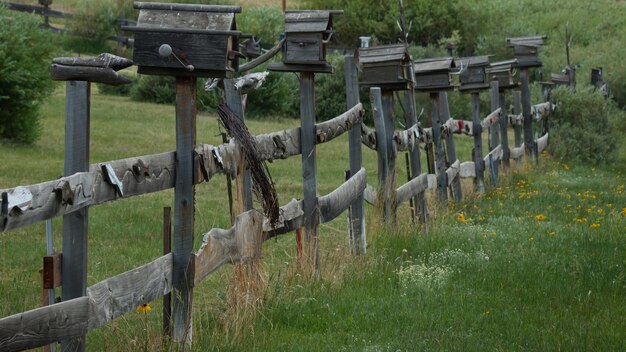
{"x":167,"y":298}
{"x":504,"y":128}
{"x":440,"y":166}
{"x":477,"y":130}
{"x":494,"y":129}
{"x":358,"y":241}
{"x":381,"y":151}
{"x":528,"y":120}
{"x":517,"y":129}
{"x":309,"y":169}
{"x":75,"y":224}
{"x":387,"y":100}
{"x":419,"y":202}
{"x":243,"y":181}
{"x":184,"y":208}
{"x":457,"y":192}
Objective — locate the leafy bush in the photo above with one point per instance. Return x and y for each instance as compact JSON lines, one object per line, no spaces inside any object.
{"x":585,"y":126}
{"x":162,"y":90}
{"x":278,"y":96}
{"x":94,"y":20}
{"x":431,"y":20}
{"x":266,"y":23}
{"x":25,"y":55}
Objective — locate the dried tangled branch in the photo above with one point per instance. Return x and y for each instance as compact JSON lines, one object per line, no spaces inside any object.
{"x":262,"y":183}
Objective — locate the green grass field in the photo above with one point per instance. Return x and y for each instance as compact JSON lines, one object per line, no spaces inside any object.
{"x":538,"y":263}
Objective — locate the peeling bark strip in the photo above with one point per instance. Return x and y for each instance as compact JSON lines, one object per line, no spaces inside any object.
{"x":408,"y":139}
{"x":153,"y":173}
{"x":491,"y":119}
{"x":542,"y":111}
{"x":495,"y":154}
{"x":138,"y":175}
{"x":516,"y":120}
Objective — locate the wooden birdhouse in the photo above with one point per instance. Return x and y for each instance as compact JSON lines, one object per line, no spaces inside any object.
{"x":597,"y":77}
{"x":558,"y":79}
{"x":473,"y":73}
{"x":526,"y":50}
{"x":386,"y":66}
{"x":433,"y":74}
{"x":250,"y":46}
{"x":186,"y":39}
{"x":502,"y":71}
{"x":307,"y":33}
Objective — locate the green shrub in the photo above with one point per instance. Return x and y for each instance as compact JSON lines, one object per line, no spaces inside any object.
{"x":25,"y":56}
{"x":94,"y":20}
{"x":162,"y":90}
{"x":266,"y":23}
{"x":585,"y":126}
{"x":278,"y":96}
{"x":154,"y":89}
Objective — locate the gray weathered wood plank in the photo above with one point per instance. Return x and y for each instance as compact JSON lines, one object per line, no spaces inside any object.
{"x":309,"y":168}
{"x":504,"y":127}
{"x":381,"y":150}
{"x":240,"y":242}
{"x":479,"y":166}
{"x":244,"y":182}
{"x":123,"y":293}
{"x":336,"y":202}
{"x":494,"y":130}
{"x":184,"y":210}
{"x":416,"y":186}
{"x":42,"y":326}
{"x":526,"y":111}
{"x":75,"y":224}
{"x":419,"y":199}
{"x":358,"y":238}
{"x":454,"y":183}
{"x":440,"y":165}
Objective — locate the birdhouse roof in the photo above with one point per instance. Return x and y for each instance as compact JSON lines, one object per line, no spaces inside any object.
{"x":473,"y":61}
{"x":383,"y":53}
{"x":185,"y":17}
{"x":503,"y":65}
{"x":533,"y":41}
{"x":432,"y":65}
{"x":309,"y":21}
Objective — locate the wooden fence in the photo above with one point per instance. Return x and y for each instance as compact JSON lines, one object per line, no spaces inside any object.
{"x":120,"y":179}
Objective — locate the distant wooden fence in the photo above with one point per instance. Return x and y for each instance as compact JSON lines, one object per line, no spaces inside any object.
{"x":120,"y":179}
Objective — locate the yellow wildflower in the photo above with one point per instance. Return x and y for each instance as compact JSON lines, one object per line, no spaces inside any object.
{"x":531,"y":238}
{"x":461,"y":218}
{"x":581,"y":220}
{"x":624,"y":211}
{"x":144,"y":308}
{"x":540,"y":217}
{"x":595,"y":225}
{"x":600,"y":211}
{"x":552,"y":233}
{"x":565,"y":166}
